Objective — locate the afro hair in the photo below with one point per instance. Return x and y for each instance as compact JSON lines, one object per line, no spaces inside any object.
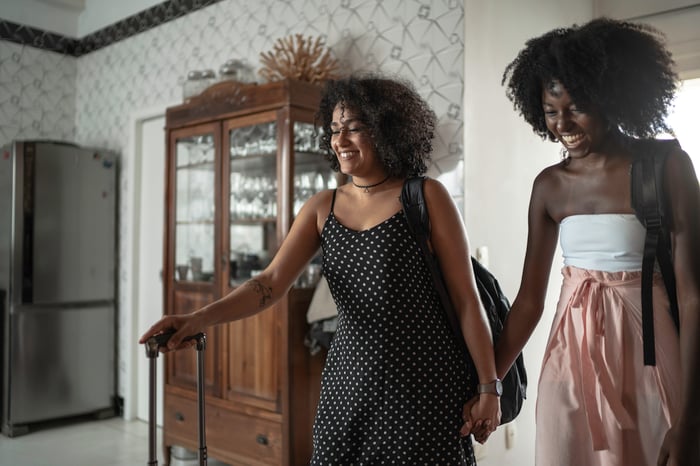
{"x":620,"y":69}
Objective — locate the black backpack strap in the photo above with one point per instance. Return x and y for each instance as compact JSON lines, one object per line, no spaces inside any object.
{"x":651,"y":208}
{"x":492,"y":298}
{"x":652,"y":219}
{"x":416,"y":213}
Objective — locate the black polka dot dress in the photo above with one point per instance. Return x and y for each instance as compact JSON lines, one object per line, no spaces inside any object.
{"x":395,"y":380}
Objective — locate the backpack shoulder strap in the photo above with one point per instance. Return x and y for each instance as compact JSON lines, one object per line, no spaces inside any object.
{"x":416,"y":213}
{"x":651,"y":208}
{"x":647,"y":178}
{"x":413,"y":204}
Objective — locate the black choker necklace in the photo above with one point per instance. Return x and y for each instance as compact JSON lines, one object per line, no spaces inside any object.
{"x":366,"y":187}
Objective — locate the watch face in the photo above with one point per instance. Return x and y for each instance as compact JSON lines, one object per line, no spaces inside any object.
{"x":499,"y":387}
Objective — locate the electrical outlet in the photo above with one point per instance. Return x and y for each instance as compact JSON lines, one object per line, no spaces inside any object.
{"x":510,"y":435}
{"x":482,"y":255}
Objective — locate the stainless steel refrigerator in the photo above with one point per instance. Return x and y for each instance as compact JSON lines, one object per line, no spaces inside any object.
{"x":57,"y":282}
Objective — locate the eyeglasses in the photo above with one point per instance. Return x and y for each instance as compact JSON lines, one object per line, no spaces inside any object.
{"x":347,"y":131}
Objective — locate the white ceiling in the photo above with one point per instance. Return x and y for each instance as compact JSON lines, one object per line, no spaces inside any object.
{"x":77,"y":5}
{"x":72,"y":18}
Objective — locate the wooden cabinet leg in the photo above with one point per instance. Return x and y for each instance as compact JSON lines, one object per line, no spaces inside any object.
{"x":166,"y":454}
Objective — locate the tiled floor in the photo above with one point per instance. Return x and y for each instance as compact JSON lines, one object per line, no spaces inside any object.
{"x":110,"y":442}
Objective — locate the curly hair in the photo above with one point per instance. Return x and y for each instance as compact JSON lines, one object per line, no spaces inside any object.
{"x":621,"y":70}
{"x":400,"y":122}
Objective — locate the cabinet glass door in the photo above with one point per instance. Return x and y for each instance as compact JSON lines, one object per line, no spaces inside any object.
{"x":312,"y":174}
{"x":252,"y":199}
{"x":312,"y":171}
{"x":195,"y":208}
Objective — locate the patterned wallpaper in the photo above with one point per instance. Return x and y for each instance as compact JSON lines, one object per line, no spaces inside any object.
{"x":422,"y":41}
{"x":127,"y":70}
{"x":37,"y":94}
{"x":90,"y":97}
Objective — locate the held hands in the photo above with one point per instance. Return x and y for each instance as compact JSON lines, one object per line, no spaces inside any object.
{"x":184,"y":325}
{"x":481,"y":415}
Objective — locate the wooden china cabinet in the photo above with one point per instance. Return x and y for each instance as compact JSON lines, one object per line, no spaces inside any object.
{"x":241,"y":159}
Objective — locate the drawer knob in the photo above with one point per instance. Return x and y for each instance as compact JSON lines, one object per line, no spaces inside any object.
{"x":179,"y":416}
{"x":261,"y":439}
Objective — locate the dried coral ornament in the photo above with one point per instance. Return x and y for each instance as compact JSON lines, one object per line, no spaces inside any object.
{"x":296,"y":57}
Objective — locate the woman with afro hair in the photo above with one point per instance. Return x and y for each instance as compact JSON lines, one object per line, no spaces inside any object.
{"x":602,"y":90}
{"x":395,"y":382}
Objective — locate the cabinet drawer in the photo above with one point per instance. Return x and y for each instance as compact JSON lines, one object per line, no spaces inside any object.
{"x":234,"y":437}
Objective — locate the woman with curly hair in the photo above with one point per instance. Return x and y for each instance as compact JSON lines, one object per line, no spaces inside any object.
{"x":395,"y":382}
{"x":601,"y":90}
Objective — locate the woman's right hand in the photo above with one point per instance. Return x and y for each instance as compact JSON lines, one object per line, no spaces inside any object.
{"x":488,"y":410}
{"x":478,"y":426}
{"x":184,"y":325}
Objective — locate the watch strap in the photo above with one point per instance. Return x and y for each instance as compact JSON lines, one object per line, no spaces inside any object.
{"x":495,"y":387}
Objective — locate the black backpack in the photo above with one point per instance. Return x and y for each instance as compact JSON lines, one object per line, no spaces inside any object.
{"x":653,"y":211}
{"x":492,"y":298}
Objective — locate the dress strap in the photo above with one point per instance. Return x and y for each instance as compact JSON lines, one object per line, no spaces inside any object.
{"x":333,"y":200}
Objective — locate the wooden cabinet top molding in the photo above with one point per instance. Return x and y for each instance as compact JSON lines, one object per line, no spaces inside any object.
{"x":230,"y":99}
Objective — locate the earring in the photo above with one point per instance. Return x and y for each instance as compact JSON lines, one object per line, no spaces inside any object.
{"x":564,"y":153}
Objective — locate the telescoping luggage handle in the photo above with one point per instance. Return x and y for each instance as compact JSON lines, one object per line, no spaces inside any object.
{"x":152,"y":345}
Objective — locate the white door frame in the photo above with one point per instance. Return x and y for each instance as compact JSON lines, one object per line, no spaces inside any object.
{"x":130,"y":350}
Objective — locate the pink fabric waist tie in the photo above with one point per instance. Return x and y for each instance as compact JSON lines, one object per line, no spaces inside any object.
{"x":597,"y":379}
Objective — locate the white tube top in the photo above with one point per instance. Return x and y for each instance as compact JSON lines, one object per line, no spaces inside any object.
{"x":606,"y":242}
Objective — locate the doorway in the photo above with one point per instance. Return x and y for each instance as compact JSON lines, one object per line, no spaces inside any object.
{"x":684,"y":119}
{"x":148,"y":260}
{"x":143,"y":258}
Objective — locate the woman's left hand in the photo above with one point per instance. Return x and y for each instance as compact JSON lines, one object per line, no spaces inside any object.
{"x":484,"y":416}
{"x":469,"y":427}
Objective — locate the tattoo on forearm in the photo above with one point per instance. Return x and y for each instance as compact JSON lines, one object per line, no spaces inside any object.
{"x":265,"y":292}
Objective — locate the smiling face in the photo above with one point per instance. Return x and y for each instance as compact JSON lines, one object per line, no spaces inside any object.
{"x":353,"y":145}
{"x":580,"y":131}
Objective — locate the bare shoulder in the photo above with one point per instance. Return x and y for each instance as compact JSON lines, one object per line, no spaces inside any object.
{"x":552,"y":173}
{"x":547,"y":200}
{"x":679,"y":163}
{"x":442,"y":209}
{"x":440,"y":201}
{"x":681,"y":180}
{"x":549,"y":179}
{"x":435,"y":191}
{"x":321,"y":198}
{"x":317,"y":208}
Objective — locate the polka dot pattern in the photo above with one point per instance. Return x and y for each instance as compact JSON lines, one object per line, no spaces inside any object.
{"x":395,"y":380}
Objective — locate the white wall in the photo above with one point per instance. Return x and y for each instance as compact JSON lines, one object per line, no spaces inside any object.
{"x":102,"y":13}
{"x":502,"y":157}
{"x":638,"y":8}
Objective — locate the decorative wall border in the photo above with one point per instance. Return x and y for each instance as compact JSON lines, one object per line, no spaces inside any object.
{"x":130,"y":26}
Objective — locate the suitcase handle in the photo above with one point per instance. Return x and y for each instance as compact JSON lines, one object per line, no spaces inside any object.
{"x":152,"y":345}
{"x":161,"y":339}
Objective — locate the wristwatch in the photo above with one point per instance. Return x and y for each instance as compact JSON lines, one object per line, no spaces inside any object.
{"x":495,"y":387}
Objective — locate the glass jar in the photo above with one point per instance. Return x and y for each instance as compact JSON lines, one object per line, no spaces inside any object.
{"x":197,"y":81}
{"x":236,"y":70}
